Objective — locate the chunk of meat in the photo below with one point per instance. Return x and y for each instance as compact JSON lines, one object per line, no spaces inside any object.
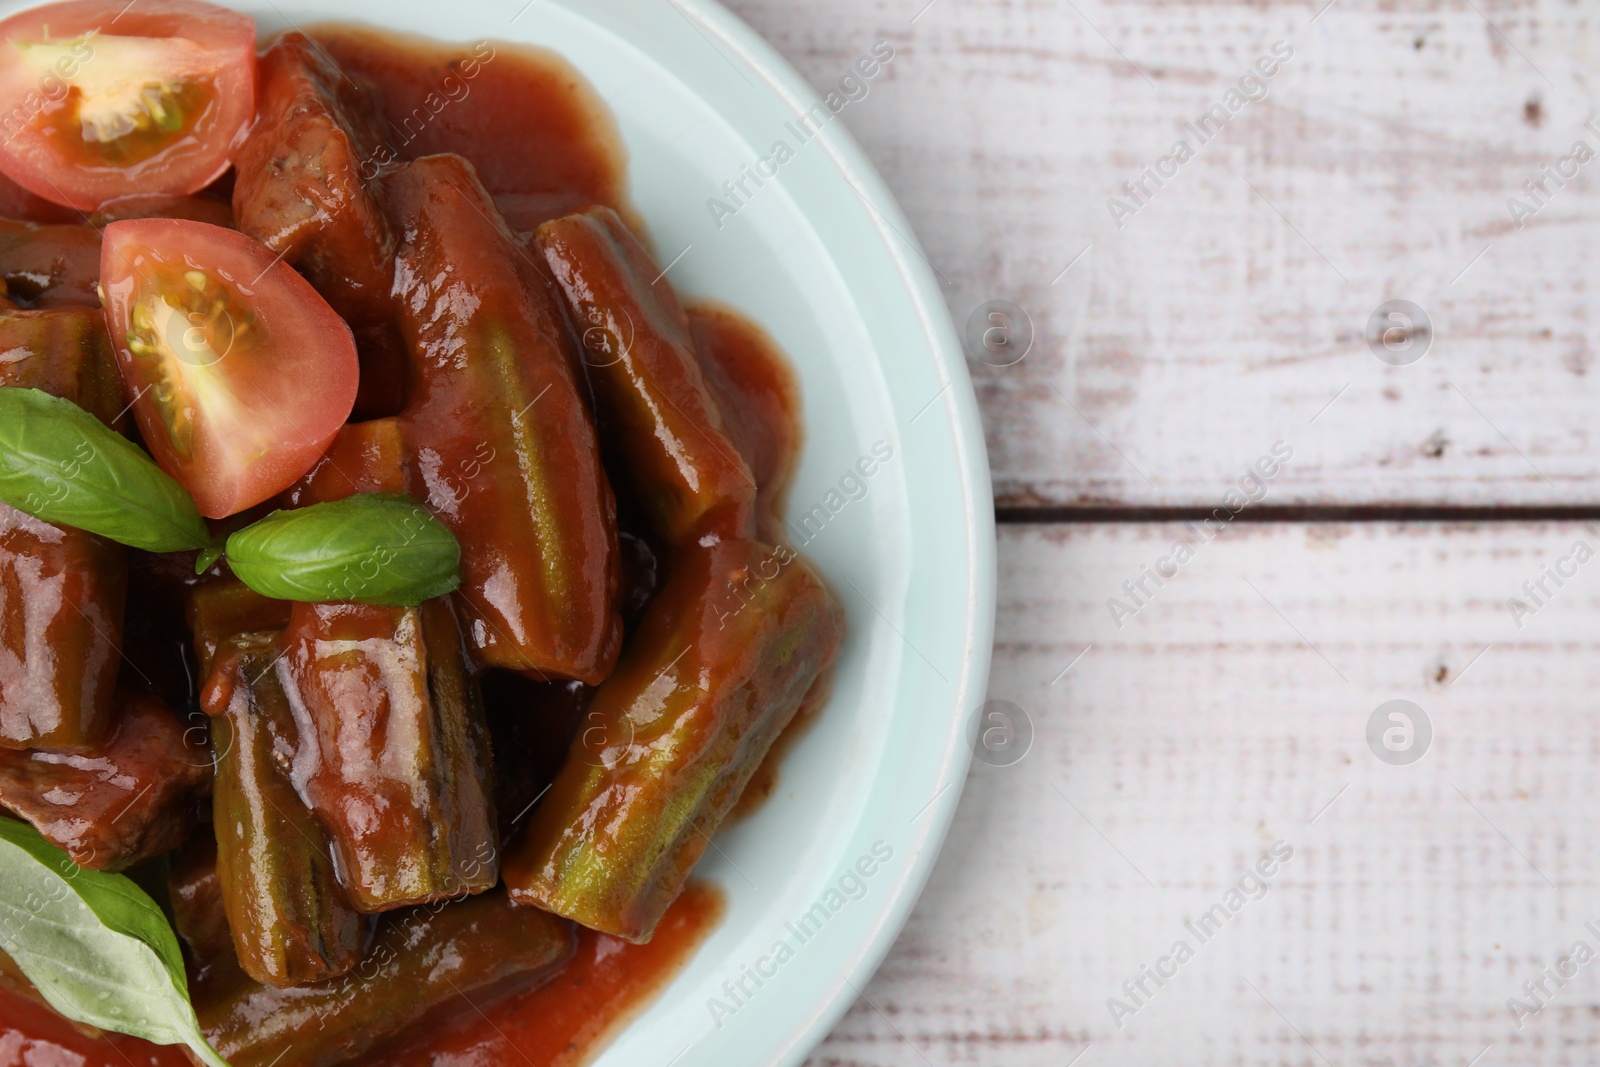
{"x":300,"y":188}
{"x":130,"y":799}
{"x":50,"y":266}
{"x":62,"y":593}
{"x":62,"y":590}
{"x":197,"y":208}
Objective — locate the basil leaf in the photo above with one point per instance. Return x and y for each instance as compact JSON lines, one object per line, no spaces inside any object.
{"x":61,"y":464}
{"x":375,"y":548}
{"x":94,"y":944}
{"x":207,"y":558}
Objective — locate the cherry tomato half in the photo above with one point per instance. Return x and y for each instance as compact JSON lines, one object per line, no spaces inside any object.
{"x":102,"y":99}
{"x":239,"y":373}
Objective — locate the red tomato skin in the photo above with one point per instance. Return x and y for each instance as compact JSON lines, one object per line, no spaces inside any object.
{"x":17,"y":203}
{"x":30,"y":151}
{"x":292,"y":390}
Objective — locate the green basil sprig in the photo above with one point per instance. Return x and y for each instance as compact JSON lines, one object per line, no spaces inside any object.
{"x":94,"y":944}
{"x":376,"y":548}
{"x":61,"y":464}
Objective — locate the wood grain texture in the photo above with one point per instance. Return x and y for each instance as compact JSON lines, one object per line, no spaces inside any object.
{"x":1230,"y":312}
{"x":1230,"y":714}
{"x":1232,"y":308}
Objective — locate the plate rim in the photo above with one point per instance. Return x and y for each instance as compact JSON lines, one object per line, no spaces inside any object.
{"x":970,"y":479}
{"x":962,"y":416}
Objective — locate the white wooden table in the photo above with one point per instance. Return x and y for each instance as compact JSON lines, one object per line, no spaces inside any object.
{"x":1230,"y":711}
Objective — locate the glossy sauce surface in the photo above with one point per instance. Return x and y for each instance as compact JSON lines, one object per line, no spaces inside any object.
{"x":561,"y":153}
{"x":759,"y":399}
{"x":558,"y":1024}
{"x":561,"y":1023}
{"x":543,"y":143}
{"x":31,"y":1036}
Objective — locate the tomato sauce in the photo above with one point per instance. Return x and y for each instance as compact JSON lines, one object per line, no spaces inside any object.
{"x":567,"y":1020}
{"x":759,"y":398}
{"x":561,"y":1023}
{"x":768,"y":776}
{"x":544,"y":144}
{"x":17,"y":203}
{"x":31,"y":1035}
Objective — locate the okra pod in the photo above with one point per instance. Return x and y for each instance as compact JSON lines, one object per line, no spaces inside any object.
{"x":291,"y":920}
{"x":225,"y":608}
{"x":655,"y":406}
{"x":194,"y":892}
{"x":61,"y":600}
{"x":717,"y":669}
{"x":365,"y":457}
{"x":394,"y":751}
{"x":504,"y":442}
{"x":65,"y":352}
{"x":464,"y":954}
{"x":394,"y":748}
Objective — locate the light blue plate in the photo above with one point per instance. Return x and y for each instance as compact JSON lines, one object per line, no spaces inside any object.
{"x":821,"y":257}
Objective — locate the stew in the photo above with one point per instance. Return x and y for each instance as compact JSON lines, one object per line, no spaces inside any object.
{"x":371,"y":345}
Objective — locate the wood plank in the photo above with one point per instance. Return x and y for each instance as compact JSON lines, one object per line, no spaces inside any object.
{"x":1232,"y":308}
{"x":1229,"y":714}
